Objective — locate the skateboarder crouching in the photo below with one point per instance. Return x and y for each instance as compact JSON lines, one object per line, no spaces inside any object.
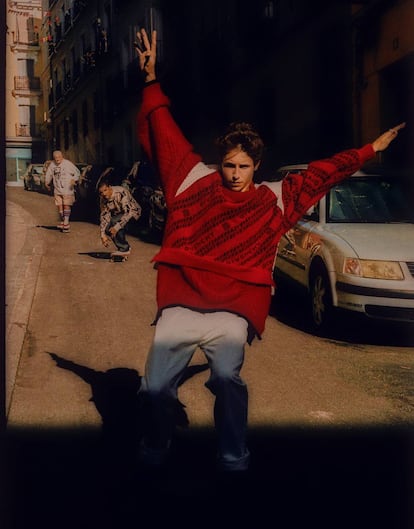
{"x":117,"y":208}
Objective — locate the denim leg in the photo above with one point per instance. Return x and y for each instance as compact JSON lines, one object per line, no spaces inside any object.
{"x":222,"y":337}
{"x":173,"y":346}
{"x":119,"y":238}
{"x":225,"y":353}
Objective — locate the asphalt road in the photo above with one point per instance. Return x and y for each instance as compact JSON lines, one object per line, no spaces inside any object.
{"x":330,"y":418}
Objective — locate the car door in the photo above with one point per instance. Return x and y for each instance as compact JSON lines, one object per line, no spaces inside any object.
{"x":297,"y":247}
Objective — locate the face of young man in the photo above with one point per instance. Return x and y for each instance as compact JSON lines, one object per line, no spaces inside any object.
{"x":105,"y":191}
{"x":238,"y":170}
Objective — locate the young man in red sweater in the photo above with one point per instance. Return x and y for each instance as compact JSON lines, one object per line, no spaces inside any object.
{"x":215,"y":265}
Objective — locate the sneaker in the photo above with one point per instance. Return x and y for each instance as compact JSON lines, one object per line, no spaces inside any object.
{"x":60,"y":226}
{"x":66,"y":228}
{"x":120,"y":252}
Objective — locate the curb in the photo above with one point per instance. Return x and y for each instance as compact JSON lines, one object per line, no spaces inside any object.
{"x":22,"y":269}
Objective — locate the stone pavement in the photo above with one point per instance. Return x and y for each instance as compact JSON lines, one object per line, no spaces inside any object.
{"x":23,"y":257}
{"x":65,"y":470}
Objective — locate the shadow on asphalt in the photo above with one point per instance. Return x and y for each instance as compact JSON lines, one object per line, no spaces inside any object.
{"x":97,"y":255}
{"x":292,"y":310}
{"x":55,"y":228}
{"x":298,"y":479}
{"x":114,"y":393}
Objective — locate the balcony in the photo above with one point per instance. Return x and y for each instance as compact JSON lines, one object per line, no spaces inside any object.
{"x":58,"y":92}
{"x":78,"y":6}
{"x":27,"y":44}
{"x":31,"y":39}
{"x":67,"y":82}
{"x":51,"y":99}
{"x":25,"y":86}
{"x":77,"y":70}
{"x":24,"y":82}
{"x":29,"y":130}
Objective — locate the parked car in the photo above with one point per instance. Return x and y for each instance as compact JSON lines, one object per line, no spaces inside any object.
{"x":32,"y":178}
{"x":43,"y":188}
{"x":140,"y":179}
{"x":158,"y":213}
{"x":146,"y":189}
{"x":353,"y":250}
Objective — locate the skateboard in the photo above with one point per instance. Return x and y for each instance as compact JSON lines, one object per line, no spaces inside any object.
{"x":119,"y":257}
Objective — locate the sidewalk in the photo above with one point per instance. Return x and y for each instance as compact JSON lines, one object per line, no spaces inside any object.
{"x":23,"y":256}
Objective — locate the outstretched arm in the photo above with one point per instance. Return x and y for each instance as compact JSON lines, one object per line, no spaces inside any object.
{"x":303,"y":189}
{"x":158,"y":133}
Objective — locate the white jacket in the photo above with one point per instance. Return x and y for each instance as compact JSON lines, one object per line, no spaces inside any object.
{"x":63,"y":176}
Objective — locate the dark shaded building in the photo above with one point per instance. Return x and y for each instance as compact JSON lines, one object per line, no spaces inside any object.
{"x":296,"y":69}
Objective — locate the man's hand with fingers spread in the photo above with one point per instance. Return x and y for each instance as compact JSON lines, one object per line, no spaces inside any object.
{"x":147,"y":54}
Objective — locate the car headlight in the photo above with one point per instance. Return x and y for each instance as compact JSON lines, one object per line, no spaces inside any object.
{"x":373,"y":269}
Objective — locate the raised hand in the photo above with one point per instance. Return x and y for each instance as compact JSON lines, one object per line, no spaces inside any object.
{"x":147,"y":53}
{"x":382,"y":142}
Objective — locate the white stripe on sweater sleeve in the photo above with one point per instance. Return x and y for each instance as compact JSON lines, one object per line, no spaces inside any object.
{"x":197,"y":172}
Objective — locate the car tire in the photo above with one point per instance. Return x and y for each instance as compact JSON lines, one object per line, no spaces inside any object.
{"x":321,"y":307}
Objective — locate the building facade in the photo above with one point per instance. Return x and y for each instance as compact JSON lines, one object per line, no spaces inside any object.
{"x":91,"y":78}
{"x":384,"y":75}
{"x":24,"y":106}
{"x":314,"y":77}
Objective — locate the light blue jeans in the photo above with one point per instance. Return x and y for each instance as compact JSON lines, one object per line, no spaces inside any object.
{"x":222,"y":337}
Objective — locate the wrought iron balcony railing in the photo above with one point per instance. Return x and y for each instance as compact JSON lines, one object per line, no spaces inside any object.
{"x":24,"y":82}
{"x":29,"y":130}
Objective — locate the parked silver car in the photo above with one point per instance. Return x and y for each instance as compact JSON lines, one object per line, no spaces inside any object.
{"x":32,"y":178}
{"x":353,"y":250}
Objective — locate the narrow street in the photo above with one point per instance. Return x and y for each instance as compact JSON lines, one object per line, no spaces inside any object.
{"x":330,"y":419}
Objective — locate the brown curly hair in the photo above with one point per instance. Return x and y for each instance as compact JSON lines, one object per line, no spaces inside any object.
{"x":241,"y":135}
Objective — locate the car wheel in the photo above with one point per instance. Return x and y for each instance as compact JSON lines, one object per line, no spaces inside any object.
{"x":321,"y":300}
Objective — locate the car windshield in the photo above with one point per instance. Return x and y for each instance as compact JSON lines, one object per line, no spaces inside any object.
{"x":370,"y":199}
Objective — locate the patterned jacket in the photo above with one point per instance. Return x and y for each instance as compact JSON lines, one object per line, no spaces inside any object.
{"x":120,"y":203}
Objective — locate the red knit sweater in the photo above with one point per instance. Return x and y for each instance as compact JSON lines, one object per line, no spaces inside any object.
{"x":219,"y":245}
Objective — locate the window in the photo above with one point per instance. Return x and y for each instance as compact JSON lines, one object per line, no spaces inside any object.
{"x":66,"y":133}
{"x":57,"y":138}
{"x":24,"y":115}
{"x":372,"y":200}
{"x":85,"y":124}
{"x":154,"y":21}
{"x":96,"y":112}
{"x":269,"y":10}
{"x":75,"y":126}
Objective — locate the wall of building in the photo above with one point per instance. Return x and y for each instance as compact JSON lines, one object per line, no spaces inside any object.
{"x":314,"y":77}
{"x":385,"y":76}
{"x":24,"y":134}
{"x":94,"y":89}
